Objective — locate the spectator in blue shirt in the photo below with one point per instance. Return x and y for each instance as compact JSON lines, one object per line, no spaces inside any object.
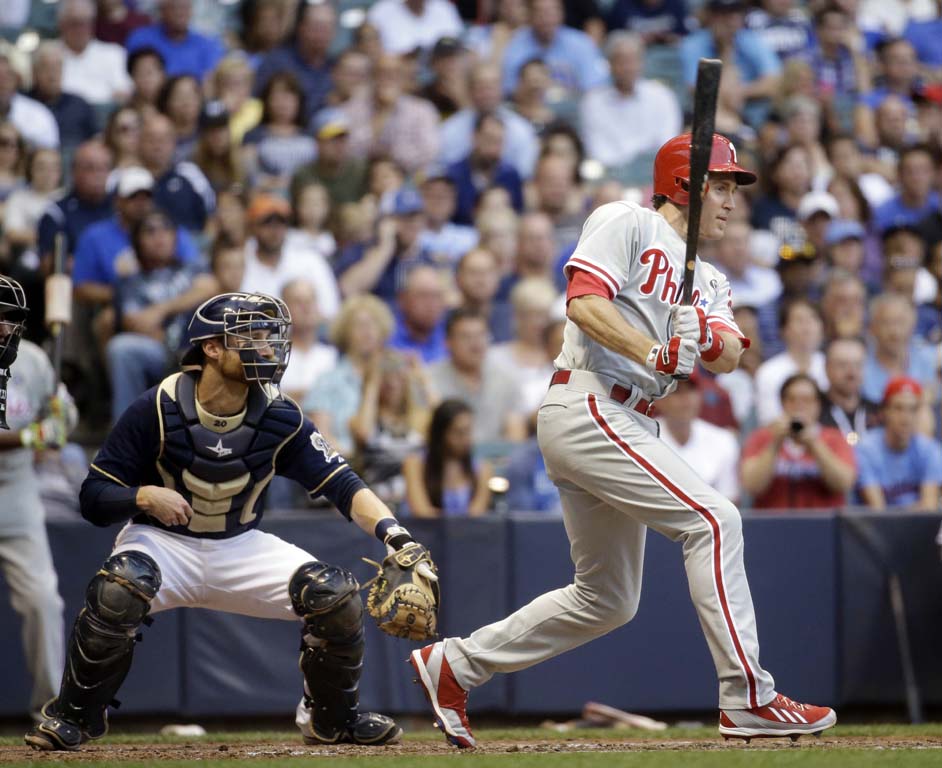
{"x":898,"y":467}
{"x":916,"y":199}
{"x":783,"y":27}
{"x":574,"y":60}
{"x":74,"y":116}
{"x":445,"y":240}
{"x":382,"y":267}
{"x":184,"y":52}
{"x":104,"y":254}
{"x":924,"y":36}
{"x":306,"y":56}
{"x":661,"y":22}
{"x":900,"y":76}
{"x":180,"y":189}
{"x":723,"y":37}
{"x":84,"y":204}
{"x":521,"y":145}
{"x":893,"y":350}
{"x":838,"y":58}
{"x":420,"y":316}
{"x":152,"y":309}
{"x":483,"y":169}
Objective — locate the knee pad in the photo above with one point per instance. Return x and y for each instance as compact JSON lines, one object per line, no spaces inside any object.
{"x":119,"y":595}
{"x":327,"y":598}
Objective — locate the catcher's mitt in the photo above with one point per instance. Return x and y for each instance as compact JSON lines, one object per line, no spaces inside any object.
{"x":402,"y":600}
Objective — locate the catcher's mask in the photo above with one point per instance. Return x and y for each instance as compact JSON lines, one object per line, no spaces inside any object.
{"x":12,"y":321}
{"x":254,"y":325}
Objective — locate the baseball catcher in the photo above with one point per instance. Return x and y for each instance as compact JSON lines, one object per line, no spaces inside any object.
{"x":185,"y":471}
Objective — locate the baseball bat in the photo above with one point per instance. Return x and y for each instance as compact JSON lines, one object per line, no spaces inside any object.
{"x":58,"y":304}
{"x":701,"y":145}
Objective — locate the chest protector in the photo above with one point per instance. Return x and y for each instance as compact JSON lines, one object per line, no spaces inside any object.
{"x":221,"y":464}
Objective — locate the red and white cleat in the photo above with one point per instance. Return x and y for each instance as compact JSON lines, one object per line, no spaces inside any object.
{"x":448,"y":699}
{"x":780,"y":717}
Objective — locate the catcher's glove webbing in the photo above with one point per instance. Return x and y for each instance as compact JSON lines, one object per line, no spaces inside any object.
{"x":402,"y":599}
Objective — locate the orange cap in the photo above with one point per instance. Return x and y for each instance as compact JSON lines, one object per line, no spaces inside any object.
{"x":263,"y":206}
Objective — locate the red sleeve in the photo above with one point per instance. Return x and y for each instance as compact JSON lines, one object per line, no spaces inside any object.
{"x":757,"y":442}
{"x":718,"y":326}
{"x":582,"y":283}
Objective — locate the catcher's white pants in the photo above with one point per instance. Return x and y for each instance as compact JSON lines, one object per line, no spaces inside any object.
{"x":616,"y":478}
{"x":246,"y":574}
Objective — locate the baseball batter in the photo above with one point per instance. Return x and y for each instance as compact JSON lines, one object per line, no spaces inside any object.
{"x":626,"y":339}
{"x":188,"y":464}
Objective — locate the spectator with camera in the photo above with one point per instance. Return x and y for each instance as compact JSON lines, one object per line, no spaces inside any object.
{"x":445,"y":480}
{"x":794,"y":462}
{"x":898,"y":467}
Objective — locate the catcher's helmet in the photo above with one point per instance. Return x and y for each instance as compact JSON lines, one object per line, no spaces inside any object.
{"x":672,"y":166}
{"x":12,"y":319}
{"x":248,"y":323}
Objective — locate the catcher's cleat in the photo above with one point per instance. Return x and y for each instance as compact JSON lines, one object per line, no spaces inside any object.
{"x":53,"y":732}
{"x":780,"y":717}
{"x":369,"y":729}
{"x":448,"y":699}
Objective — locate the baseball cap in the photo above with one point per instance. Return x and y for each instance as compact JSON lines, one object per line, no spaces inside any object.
{"x":901,"y":384}
{"x":215,"y":114}
{"x":796,"y":253}
{"x":407,"y":202}
{"x":445,"y":47}
{"x":840,"y":230}
{"x":133,"y":180}
{"x":331,"y":123}
{"x":818,"y":202}
{"x":263,"y":206}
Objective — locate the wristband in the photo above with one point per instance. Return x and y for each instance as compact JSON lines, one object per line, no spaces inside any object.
{"x":391,"y":533}
{"x":715,"y":348}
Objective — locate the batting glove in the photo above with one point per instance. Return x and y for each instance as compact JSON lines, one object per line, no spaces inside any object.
{"x":48,"y":433}
{"x":691,"y":323}
{"x":677,"y":357}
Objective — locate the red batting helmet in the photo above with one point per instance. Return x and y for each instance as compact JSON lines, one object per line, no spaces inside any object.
{"x":672,"y":166}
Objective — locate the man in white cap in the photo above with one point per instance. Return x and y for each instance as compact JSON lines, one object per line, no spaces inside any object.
{"x":103,"y":253}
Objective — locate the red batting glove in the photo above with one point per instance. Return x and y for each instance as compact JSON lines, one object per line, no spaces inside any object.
{"x":677,"y":357}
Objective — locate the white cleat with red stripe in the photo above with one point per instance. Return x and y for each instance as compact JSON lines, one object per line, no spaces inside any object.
{"x":448,"y":699}
{"x":780,"y":717}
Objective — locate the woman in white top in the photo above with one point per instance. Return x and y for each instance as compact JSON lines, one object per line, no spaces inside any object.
{"x":25,"y":206}
{"x":525,"y":354}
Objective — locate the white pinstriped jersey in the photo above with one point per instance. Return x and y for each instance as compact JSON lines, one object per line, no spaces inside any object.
{"x":640,"y":258}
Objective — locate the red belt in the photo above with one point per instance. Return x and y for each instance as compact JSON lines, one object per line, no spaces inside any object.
{"x":618,"y":392}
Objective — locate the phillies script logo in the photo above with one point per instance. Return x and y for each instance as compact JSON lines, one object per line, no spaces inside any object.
{"x":661,"y":281}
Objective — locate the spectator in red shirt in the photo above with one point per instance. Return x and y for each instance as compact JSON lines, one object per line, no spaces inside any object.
{"x":794,"y":462}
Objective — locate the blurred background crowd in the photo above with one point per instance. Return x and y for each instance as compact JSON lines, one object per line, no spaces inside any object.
{"x":409,"y":176}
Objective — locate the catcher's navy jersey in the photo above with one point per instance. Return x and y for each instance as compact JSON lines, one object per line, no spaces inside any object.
{"x":221,"y":465}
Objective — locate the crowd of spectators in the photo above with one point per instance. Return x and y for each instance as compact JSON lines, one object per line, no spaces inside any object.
{"x":409,"y":175}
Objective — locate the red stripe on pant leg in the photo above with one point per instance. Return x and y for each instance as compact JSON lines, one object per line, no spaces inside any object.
{"x":714,"y":526}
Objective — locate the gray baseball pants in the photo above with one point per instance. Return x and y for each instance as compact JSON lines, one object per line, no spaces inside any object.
{"x":31,"y":577}
{"x":617,"y":479}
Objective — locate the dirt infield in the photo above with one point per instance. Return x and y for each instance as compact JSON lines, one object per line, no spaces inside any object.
{"x":205,"y":750}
